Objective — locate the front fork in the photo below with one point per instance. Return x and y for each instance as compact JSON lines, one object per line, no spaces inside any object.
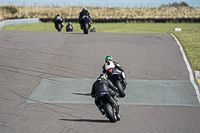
{"x":123,"y":75}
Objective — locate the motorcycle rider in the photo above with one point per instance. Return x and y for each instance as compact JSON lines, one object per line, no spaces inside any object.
{"x":58,"y":15}
{"x":111,"y":67}
{"x":84,"y":12}
{"x":102,"y":84}
{"x":69,"y":23}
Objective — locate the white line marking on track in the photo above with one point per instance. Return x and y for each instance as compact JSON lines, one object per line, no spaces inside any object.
{"x":188,"y":67}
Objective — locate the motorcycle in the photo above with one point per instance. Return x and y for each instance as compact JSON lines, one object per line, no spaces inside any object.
{"x":69,"y":28}
{"x":116,"y":79}
{"x":86,"y":23}
{"x":110,"y":106}
{"x":59,"y":23}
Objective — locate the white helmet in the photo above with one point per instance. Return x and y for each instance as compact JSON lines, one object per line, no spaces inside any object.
{"x":84,"y":9}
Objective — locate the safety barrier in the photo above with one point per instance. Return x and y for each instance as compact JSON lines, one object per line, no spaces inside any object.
{"x":18,"y":21}
{"x":141,"y":20}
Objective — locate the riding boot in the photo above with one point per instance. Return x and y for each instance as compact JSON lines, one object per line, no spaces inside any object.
{"x":81,"y":25}
{"x":101,"y":110}
{"x":124,"y":82}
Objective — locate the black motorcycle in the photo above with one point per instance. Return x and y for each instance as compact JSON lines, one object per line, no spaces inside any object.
{"x":116,"y":79}
{"x":58,"y":23}
{"x":110,"y":107}
{"x":86,"y":24}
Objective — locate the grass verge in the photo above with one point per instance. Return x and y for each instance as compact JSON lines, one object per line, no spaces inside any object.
{"x":190,"y":41}
{"x":189,"y":36}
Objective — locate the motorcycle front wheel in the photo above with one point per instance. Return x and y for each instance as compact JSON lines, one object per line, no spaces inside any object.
{"x":59,"y":27}
{"x":120,"y":89}
{"x":85,"y":31}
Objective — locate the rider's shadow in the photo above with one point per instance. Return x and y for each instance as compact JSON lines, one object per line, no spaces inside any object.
{"x":76,"y":33}
{"x":83,"y":94}
{"x":85,"y":120}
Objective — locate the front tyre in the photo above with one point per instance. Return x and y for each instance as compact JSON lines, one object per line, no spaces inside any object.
{"x":109,"y":112}
{"x":85,"y":28}
{"x":59,"y":27}
{"x":120,"y":89}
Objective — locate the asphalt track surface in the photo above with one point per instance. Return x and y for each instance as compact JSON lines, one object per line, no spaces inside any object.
{"x":27,"y":58}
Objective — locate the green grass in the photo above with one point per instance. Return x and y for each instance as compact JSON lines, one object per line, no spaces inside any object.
{"x":189,"y":36}
{"x":190,"y":41}
{"x":33,"y":27}
{"x":143,"y":27}
{"x":112,"y":27}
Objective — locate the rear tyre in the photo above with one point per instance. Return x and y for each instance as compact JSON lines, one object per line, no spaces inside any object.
{"x":120,"y":89}
{"x":109,"y":112}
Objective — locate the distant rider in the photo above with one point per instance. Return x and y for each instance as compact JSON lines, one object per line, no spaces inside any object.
{"x":84,"y":12}
{"x":102,"y":84}
{"x":69,"y":24}
{"x":111,"y":67}
{"x":55,"y":19}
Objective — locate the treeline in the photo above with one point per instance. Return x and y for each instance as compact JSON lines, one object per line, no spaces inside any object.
{"x":175,"y":4}
{"x":10,"y":9}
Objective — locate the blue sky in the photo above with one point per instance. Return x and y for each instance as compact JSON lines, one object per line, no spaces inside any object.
{"x":105,"y":3}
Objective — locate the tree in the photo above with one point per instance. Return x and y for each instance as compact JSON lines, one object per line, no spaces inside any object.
{"x":175,"y":4}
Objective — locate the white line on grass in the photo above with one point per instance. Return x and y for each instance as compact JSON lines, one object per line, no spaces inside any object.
{"x":188,"y":67}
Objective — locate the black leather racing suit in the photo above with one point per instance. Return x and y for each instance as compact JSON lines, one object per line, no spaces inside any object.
{"x":103,"y":85}
{"x":81,"y":14}
{"x":68,"y":26}
{"x":55,"y":20}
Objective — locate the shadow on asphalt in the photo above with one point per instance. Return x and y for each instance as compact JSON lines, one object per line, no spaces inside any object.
{"x":76,"y":33}
{"x":85,"y":120}
{"x":84,"y":94}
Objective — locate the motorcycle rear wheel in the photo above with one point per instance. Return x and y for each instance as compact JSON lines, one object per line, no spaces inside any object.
{"x":109,"y":112}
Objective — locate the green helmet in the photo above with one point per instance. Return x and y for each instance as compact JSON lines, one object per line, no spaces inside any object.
{"x":108,"y":58}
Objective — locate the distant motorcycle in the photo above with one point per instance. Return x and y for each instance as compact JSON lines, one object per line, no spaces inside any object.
{"x":69,"y":27}
{"x":110,"y":106}
{"x":86,"y":23}
{"x":116,"y":79}
{"x":59,"y":23}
